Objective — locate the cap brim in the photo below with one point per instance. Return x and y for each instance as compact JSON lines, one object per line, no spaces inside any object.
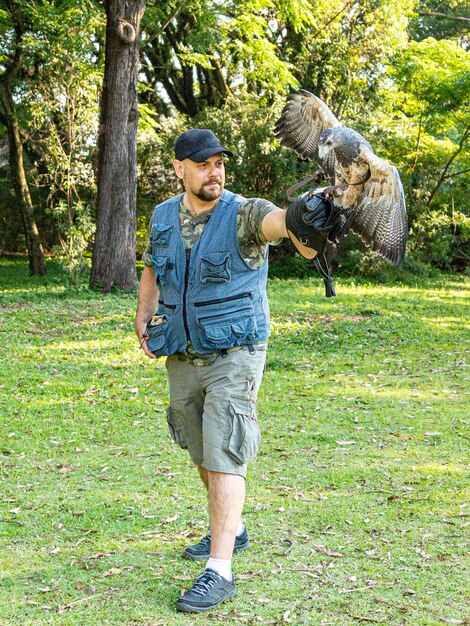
{"x":202,"y":155}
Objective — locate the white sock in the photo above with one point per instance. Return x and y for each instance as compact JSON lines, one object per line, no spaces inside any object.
{"x":240,"y":528}
{"x":221,"y":566}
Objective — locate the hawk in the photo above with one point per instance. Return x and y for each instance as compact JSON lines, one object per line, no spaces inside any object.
{"x":366,"y":190}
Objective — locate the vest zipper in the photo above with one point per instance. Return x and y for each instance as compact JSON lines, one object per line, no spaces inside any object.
{"x":187,"y":253}
{"x":238,"y":296}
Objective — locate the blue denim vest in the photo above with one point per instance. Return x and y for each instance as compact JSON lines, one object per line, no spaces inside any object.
{"x":208,"y":294}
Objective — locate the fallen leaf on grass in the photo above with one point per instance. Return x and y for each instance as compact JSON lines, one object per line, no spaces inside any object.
{"x":409,"y":592}
{"x":309,"y":573}
{"x":454,"y":621}
{"x":182,"y":577}
{"x":365,"y":619}
{"x":330,"y":552}
{"x":63,"y":469}
{"x":249,"y":575}
{"x":100,"y":555}
{"x":170,"y":519}
{"x":346,"y":443}
{"x":112,"y":572}
{"x":88,"y":588}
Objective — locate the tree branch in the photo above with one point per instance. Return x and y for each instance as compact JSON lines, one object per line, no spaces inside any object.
{"x":448,"y":164}
{"x":457,"y":18}
{"x":326,"y":24}
{"x":172,"y":16}
{"x":452,"y":174}
{"x":13,"y":67}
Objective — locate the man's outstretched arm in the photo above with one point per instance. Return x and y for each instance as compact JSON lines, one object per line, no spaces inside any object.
{"x":274,"y":225}
{"x":147,"y":303}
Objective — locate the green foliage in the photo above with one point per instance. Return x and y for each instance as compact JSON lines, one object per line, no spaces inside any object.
{"x":424,"y":111}
{"x":77,"y":229}
{"x":57,"y":95}
{"x":442,"y":239}
{"x":356,"y":505}
{"x":430,"y":21}
{"x":397,"y":71}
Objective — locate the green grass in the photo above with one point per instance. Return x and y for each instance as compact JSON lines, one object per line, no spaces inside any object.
{"x":97,"y":504}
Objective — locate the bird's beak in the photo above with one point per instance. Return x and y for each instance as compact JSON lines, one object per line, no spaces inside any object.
{"x":323,"y":151}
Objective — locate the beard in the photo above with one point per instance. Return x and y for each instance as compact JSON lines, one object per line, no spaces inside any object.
{"x":208,"y":195}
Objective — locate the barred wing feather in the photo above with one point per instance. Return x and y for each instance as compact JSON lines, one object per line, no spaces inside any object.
{"x":303,"y":119}
{"x":379,"y":216}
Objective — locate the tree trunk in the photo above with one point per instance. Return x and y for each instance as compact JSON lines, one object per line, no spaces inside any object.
{"x":37,"y":263}
{"x":114,"y":251}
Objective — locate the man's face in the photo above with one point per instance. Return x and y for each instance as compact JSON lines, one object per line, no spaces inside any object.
{"x":204,"y":180}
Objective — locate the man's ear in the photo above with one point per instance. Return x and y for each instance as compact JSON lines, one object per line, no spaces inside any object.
{"x":179,"y":168}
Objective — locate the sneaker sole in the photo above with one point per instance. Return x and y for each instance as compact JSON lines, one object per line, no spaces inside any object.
{"x":204,"y":557}
{"x":188,"y":608}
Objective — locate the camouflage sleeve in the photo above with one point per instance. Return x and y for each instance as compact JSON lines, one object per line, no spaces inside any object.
{"x":251,"y":214}
{"x":147,"y":255}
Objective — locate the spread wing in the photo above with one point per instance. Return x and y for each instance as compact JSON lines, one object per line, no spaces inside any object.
{"x":303,"y":119}
{"x":379,"y":215}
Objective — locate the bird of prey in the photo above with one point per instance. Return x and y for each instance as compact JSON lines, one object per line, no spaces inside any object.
{"x":366,"y":189}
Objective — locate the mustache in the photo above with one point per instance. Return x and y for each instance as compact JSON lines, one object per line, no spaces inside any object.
{"x":212,"y":181}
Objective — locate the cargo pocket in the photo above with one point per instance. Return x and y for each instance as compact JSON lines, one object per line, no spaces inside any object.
{"x":215,"y":267}
{"x":243,"y":436}
{"x":176,"y":431}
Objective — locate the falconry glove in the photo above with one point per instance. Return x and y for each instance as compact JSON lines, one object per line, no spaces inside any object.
{"x":312,"y":220}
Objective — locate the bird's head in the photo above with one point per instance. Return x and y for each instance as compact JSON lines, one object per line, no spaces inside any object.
{"x":327,"y":141}
{"x":343,"y":140}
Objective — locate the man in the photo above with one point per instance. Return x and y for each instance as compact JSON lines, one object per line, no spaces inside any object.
{"x":205,"y":274}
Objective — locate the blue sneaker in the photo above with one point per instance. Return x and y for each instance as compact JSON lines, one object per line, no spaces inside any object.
{"x":208,"y":591}
{"x":201,"y":551}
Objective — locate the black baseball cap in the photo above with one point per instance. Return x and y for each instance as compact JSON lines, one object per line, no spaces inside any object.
{"x":198,"y":144}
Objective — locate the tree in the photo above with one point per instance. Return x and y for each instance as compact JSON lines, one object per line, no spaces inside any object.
{"x":15,"y":32}
{"x":59,"y":103}
{"x":114,"y":248}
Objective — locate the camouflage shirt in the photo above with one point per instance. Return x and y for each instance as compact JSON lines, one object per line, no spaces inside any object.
{"x":251,"y":241}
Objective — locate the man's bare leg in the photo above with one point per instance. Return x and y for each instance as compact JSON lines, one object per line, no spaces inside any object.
{"x":203,"y":475}
{"x":226,"y":494}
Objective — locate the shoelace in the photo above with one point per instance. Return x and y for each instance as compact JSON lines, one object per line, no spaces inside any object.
{"x":205,"y":540}
{"x":204,"y":583}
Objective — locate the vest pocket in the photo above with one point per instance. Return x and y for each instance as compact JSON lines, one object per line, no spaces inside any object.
{"x":160,"y":269}
{"x":157,"y":333}
{"x":228,"y":330}
{"x":243,"y":437}
{"x":215,"y":267}
{"x":161,"y":234}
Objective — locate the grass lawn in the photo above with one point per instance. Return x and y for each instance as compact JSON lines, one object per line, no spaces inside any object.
{"x":358,"y":504}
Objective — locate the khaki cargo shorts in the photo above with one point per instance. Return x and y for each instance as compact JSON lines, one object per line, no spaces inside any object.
{"x":212,"y":410}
